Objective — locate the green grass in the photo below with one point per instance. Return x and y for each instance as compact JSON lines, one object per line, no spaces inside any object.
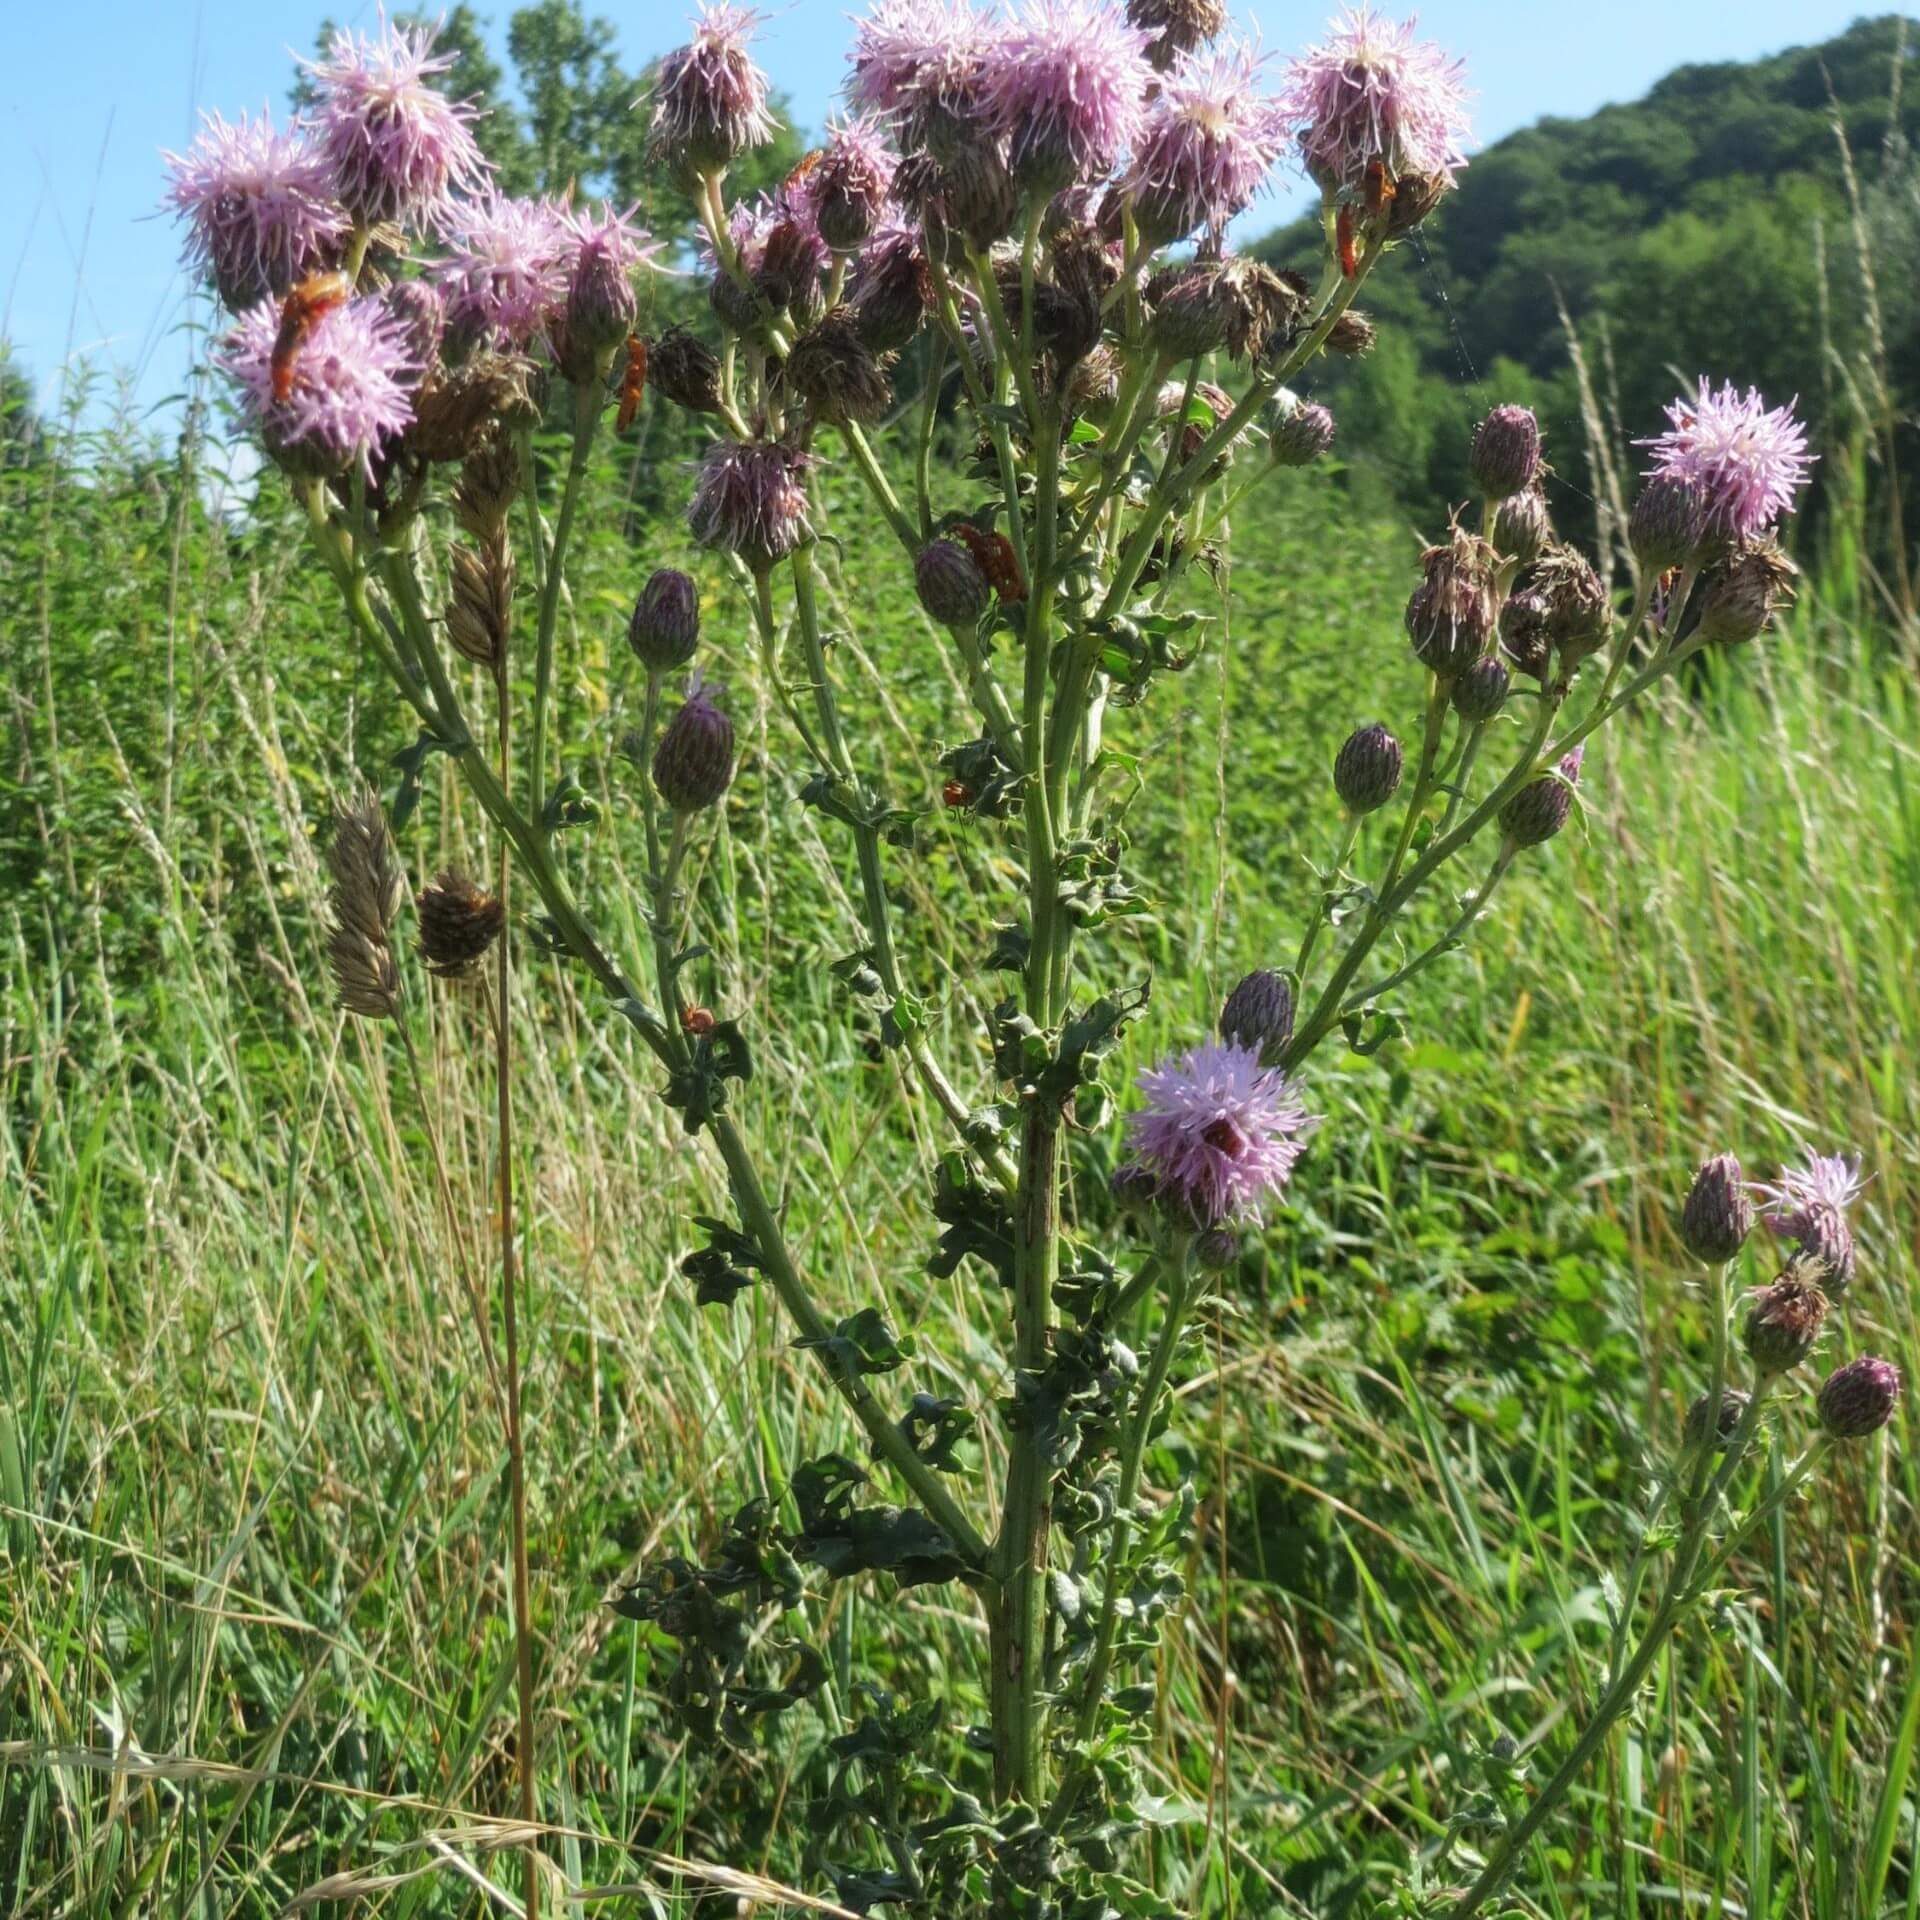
{"x":252,"y":1492}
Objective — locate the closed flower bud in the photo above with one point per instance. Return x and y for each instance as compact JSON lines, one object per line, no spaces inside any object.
{"x":1258,"y":1015}
{"x":1542,"y":807}
{"x":1783,"y":1323}
{"x":978,"y":197}
{"x":665,"y":627}
{"x":1351,"y":335}
{"x":1189,"y":317}
{"x":1301,"y":436}
{"x":1451,"y":614}
{"x":1733,"y":1404}
{"x":889,"y":291}
{"x":951,"y":586}
{"x":458,"y":923}
{"x":1216,"y":1250}
{"x":1717,"y":1215}
{"x":1525,"y":636}
{"x":788,"y":274}
{"x":1366,"y":770}
{"x":1505,"y":458}
{"x":1740,"y":596}
{"x":684,"y":369}
{"x":693,"y":764}
{"x":832,"y":370}
{"x":1134,"y":1188}
{"x":601,"y":305}
{"x":1667,"y":527}
{"x":1522,"y":527}
{"x":1481,"y":691}
{"x":1859,"y":1398}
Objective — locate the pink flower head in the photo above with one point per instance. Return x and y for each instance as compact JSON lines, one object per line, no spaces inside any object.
{"x":602,"y":251}
{"x":1371,"y":91}
{"x":506,"y":268}
{"x":400,"y":149}
{"x":1747,"y":462}
{"x":1818,"y":1180}
{"x":1067,"y":82}
{"x":1210,"y":140}
{"x":1219,"y":1132}
{"x":350,"y":387}
{"x":1571,"y":763}
{"x":259,"y":206}
{"x":847,"y":189}
{"x":915,"y":58}
{"x":709,"y":99}
{"x":751,"y":500}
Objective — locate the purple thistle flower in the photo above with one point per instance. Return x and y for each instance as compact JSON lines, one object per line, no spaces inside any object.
{"x":1210,"y":140}
{"x":751,"y":500}
{"x":602,"y":252}
{"x":1066,"y":82}
{"x":847,"y":191}
{"x":350,"y":388}
{"x":1371,"y":91}
{"x":1219,"y":1132}
{"x":919,"y":60}
{"x":399,"y":148}
{"x":259,"y":207}
{"x":507,"y":267}
{"x":1747,"y":462}
{"x":1818,"y":1180}
{"x":709,"y":99}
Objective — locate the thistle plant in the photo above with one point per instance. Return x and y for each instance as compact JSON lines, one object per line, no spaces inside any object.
{"x":1019,"y":238}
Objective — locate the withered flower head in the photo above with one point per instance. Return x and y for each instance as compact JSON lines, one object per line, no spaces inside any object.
{"x":456,"y":407}
{"x":1450,"y":616}
{"x":459,"y":921}
{"x":682,"y":368}
{"x":834,"y":372}
{"x":1783,"y":1322}
{"x":1743,"y":592}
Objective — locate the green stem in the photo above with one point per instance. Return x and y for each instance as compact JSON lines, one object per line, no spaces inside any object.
{"x":1448,"y":941}
{"x":1349,"y":833}
{"x":586,"y":419}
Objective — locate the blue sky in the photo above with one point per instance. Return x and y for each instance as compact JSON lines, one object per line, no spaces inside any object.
{"x":94,"y":87}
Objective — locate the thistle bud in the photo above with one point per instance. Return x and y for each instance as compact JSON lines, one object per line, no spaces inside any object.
{"x":1717,"y":1215}
{"x":1733,"y":1405}
{"x":831,"y":369}
{"x":1301,"y":436}
{"x":1351,"y":335}
{"x":1134,"y":1188}
{"x":1783,"y":1323}
{"x":1743,"y":592}
{"x":1189,"y":316}
{"x":1542,"y":807}
{"x":1216,"y":1250}
{"x":601,"y":304}
{"x":788,"y":274}
{"x":1451,"y":614}
{"x":684,"y":369}
{"x":850,"y":186}
{"x":1667,"y":527}
{"x":1505,"y":457}
{"x":1859,"y":1398}
{"x":458,"y":923}
{"x":1258,"y":1015}
{"x":889,"y":292}
{"x":951,"y":586}
{"x":693,"y":764}
{"x":1481,"y":691}
{"x":1366,"y":770}
{"x":665,"y":627}
{"x":1525,"y":636}
{"x":1522,"y":526}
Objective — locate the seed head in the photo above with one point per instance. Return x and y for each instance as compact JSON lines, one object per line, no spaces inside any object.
{"x":1783,"y":1323}
{"x":1579,"y":615}
{"x":1859,"y":1398}
{"x":682,"y":368}
{"x":1179,"y":26}
{"x":1450,"y":617}
{"x":1258,"y":1015}
{"x":1717,"y":1215}
{"x":665,"y":627}
{"x":1367,"y":769}
{"x":1352,"y":335}
{"x":363,"y":900}
{"x":1525,"y":634}
{"x":831,"y":369}
{"x":951,"y":586}
{"x":459,"y":921}
{"x":480,"y":606}
{"x":693,"y":764}
{"x":889,"y":290}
